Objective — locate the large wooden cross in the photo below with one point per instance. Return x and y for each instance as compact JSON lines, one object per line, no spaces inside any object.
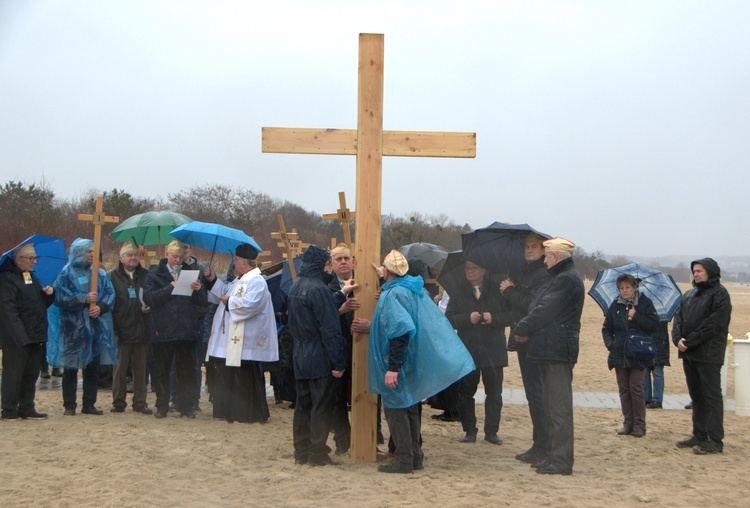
{"x":98,"y":219}
{"x":369,"y":143}
{"x":345,"y":217}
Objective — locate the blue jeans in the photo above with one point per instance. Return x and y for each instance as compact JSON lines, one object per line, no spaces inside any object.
{"x":657,"y":395}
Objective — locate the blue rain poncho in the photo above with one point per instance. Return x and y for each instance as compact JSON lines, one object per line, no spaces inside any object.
{"x":75,"y":338}
{"x":434,"y":357}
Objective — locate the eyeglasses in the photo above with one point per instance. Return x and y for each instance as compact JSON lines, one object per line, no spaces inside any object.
{"x":472,"y":268}
{"x":33,"y":259}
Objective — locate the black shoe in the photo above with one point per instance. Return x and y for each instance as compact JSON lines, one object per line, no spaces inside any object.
{"x":395,"y":467}
{"x":92,"y":410}
{"x":470,"y":437}
{"x":143,"y":410}
{"x":654,"y":404}
{"x":542,"y":463}
{"x":638,"y":433}
{"x":531,"y":456}
{"x":57,"y":372}
{"x":173,"y":408}
{"x":708,"y":447}
{"x":449,"y":418}
{"x":325,"y":460}
{"x":117,"y":409}
{"x":44,"y":374}
{"x":690,"y":442}
{"x":550,"y":469}
{"x":381,"y":439}
{"x":418,"y":465}
{"x":624,"y":431}
{"x":689,"y":405}
{"x":9,"y":418}
{"x":70,"y":412}
{"x":493,"y":438}
{"x":161,"y":413}
{"x":342,"y":450}
{"x":33,"y":415}
{"x":188,"y":414}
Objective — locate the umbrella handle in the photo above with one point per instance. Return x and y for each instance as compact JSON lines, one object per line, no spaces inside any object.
{"x":213,"y":251}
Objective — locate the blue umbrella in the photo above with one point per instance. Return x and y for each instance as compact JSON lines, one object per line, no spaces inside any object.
{"x":213,"y":237}
{"x":658,"y":286}
{"x":498,"y":248}
{"x":51,"y":256}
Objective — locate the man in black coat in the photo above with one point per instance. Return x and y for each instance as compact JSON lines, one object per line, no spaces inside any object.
{"x":699,"y":331}
{"x":175,"y":329}
{"x":23,"y":332}
{"x":319,"y":355}
{"x":475,"y":313}
{"x":552,"y":329}
{"x":132,"y":330}
{"x":519,"y":294}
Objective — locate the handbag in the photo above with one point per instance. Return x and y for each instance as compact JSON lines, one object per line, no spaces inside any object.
{"x":639,"y":346}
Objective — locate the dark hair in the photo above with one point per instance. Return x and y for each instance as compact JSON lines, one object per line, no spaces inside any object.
{"x":627,"y":279}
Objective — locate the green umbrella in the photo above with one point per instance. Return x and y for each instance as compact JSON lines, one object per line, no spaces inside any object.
{"x":150,"y":228}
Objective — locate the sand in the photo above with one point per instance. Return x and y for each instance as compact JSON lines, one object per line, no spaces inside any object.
{"x":130,"y":459}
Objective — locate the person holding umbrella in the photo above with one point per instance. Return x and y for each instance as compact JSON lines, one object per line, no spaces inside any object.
{"x":631,"y":311}
{"x":23,"y":332}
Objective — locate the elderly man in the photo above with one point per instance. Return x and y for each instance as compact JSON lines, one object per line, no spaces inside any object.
{"x":413,"y":354}
{"x":23,"y":332}
{"x":132,"y":330}
{"x":699,"y":331}
{"x":319,"y":355}
{"x":175,"y":329}
{"x":81,"y":334}
{"x":552,"y":329}
{"x":243,"y":336}
{"x":519,"y":294}
{"x":475,"y":312}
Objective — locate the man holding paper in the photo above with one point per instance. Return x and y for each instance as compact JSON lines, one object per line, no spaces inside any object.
{"x":175,"y":327}
{"x":243,"y":336}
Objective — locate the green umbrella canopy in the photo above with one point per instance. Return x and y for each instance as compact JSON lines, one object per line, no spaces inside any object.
{"x":150,"y":228}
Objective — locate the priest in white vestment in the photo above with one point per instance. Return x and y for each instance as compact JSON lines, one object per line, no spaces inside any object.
{"x":243,"y":336}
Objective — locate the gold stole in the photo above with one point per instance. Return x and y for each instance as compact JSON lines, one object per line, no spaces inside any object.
{"x":236,"y":334}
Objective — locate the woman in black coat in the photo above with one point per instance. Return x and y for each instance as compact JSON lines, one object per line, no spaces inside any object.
{"x":630,"y":311}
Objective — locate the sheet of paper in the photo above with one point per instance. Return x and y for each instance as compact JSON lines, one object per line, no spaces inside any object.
{"x":182,"y":287}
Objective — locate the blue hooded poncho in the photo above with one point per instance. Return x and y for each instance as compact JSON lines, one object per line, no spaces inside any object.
{"x":434,"y":358}
{"x":75,"y":338}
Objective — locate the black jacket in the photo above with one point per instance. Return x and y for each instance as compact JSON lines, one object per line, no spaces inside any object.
{"x":131,"y":324}
{"x":553,"y":324}
{"x":172,"y":317}
{"x":616,"y":324}
{"x":23,"y":308}
{"x":486,"y":343}
{"x":313,"y":320}
{"x":703,"y":317}
{"x":533,"y":276}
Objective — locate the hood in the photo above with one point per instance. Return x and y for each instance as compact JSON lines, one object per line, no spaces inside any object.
{"x":313,"y":260}
{"x":712,"y":267}
{"x":77,"y":255}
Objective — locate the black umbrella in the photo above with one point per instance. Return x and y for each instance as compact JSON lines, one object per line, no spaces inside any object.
{"x":498,"y":248}
{"x":453,"y":276}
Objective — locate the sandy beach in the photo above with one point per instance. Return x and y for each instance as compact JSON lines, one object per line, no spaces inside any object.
{"x":130,"y":459}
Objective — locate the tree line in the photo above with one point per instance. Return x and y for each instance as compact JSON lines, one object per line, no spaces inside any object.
{"x":27,"y":209}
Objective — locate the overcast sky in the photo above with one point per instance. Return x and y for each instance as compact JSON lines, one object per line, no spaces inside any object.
{"x":623,"y":126}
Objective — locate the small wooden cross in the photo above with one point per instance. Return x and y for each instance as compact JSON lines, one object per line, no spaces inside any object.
{"x":98,"y":219}
{"x":290,"y":243}
{"x":369,"y":143}
{"x":345,"y":217}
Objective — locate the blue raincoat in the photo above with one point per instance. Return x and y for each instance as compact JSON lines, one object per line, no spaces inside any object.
{"x":434,"y":357}
{"x":74,"y":338}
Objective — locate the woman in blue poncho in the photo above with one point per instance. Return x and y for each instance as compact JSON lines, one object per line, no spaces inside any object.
{"x":80,"y":335}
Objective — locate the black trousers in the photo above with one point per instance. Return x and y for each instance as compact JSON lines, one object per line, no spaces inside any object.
{"x":492,"y":378}
{"x":340,"y":416}
{"x":404,"y":426}
{"x":183,"y":354}
{"x":557,"y":390}
{"x":532,"y":386}
{"x":90,"y":385}
{"x":21,"y":366}
{"x":704,"y":385}
{"x":312,"y":418}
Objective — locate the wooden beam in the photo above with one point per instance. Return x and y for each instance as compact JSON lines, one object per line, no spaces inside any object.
{"x":310,"y":141}
{"x":430,"y":144}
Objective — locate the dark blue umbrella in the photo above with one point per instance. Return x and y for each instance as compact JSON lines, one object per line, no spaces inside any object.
{"x":658,"y":286}
{"x":286,"y":274}
{"x":51,"y":256}
{"x":453,"y":276}
{"x":213,"y":237}
{"x":498,"y":248}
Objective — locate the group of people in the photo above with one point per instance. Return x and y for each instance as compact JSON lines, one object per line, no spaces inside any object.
{"x":415,"y":351}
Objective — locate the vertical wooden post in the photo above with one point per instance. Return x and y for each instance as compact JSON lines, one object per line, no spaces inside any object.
{"x":98,"y":219}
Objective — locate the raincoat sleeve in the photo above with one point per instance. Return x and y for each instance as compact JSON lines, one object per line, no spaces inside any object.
{"x":608,"y":328}
{"x":677,"y":326}
{"x":719,"y":311}
{"x":153,"y":294}
{"x":68,"y":295}
{"x":327,"y":314}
